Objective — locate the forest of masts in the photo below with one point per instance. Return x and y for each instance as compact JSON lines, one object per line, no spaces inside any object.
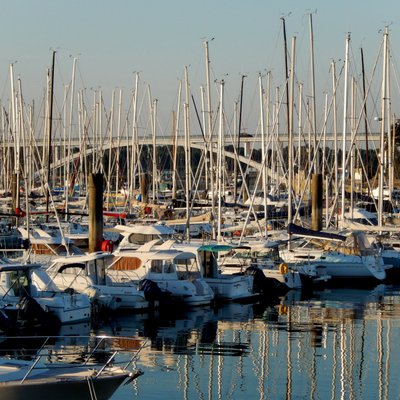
{"x":68,"y":136}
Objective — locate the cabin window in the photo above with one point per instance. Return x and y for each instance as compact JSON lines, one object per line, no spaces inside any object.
{"x":140,"y":238}
{"x":75,"y":268}
{"x":156,"y":266}
{"x":168,"y":267}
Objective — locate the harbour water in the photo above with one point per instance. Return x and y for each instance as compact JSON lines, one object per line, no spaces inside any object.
{"x":337,"y":343}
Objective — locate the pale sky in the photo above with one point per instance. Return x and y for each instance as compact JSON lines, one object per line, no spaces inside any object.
{"x":113,"y":39}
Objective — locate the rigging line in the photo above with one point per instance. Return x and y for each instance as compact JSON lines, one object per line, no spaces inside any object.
{"x":198,"y":118}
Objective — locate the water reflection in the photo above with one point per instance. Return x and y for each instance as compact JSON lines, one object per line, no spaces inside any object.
{"x":185,"y":332}
{"x":337,"y":343}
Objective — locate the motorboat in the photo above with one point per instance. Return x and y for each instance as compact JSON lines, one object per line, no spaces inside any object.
{"x":89,"y":274}
{"x":175,"y":272}
{"x":27,"y":292}
{"x":135,"y":236}
{"x":227,"y":287}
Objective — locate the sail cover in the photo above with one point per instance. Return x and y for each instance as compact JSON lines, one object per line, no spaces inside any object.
{"x":296,"y":230}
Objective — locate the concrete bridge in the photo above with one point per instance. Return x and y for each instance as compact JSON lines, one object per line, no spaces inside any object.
{"x":93,"y":144}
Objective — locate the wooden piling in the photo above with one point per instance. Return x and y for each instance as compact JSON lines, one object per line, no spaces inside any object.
{"x":144,"y":187}
{"x":316,"y":202}
{"x":95,"y":183}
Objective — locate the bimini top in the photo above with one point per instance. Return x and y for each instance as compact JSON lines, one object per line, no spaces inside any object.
{"x":167,"y":255}
{"x":215,"y":248}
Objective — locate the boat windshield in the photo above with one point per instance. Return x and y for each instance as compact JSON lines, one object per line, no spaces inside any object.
{"x":19,"y":283}
{"x":187,"y":269}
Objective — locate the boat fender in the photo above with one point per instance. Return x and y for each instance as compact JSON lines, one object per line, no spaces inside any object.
{"x":283,"y":268}
{"x":107,"y":245}
{"x":282,"y":310}
{"x":20,"y":213}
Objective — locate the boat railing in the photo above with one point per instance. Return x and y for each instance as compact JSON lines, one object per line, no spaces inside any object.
{"x":31,"y":368}
{"x":82,"y":358}
{"x":120,"y":277}
{"x":106,"y":364}
{"x":39,"y":356}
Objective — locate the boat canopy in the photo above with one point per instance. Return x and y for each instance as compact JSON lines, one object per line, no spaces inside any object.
{"x":167,"y":255}
{"x":215,"y":247}
{"x":18,"y":267}
{"x":98,"y":255}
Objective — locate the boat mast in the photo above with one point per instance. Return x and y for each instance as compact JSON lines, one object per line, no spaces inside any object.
{"x":286,"y":72}
{"x":210,"y":141}
{"x":220,"y":149}
{"x":117,"y":163}
{"x":345,"y":94}
{"x":313,"y":108}
{"x":389,"y":154}
{"x":383,"y":123}
{"x":290,"y":137}
{"x":175,"y":146}
{"x":68,"y":152}
{"x":15,"y":134}
{"x":268,"y":130}
{"x":237,"y":159}
{"x":188,"y":182}
{"x":365,"y":119}
{"x":134,"y":136}
{"x":263,"y":152}
{"x":154,"y":119}
{"x":110,"y":129}
{"x":335,"y":144}
{"x":49,"y":133}
{"x":352,"y":148}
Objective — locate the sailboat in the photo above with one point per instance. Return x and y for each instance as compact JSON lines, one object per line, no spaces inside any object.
{"x":349,"y":258}
{"x":72,"y":372}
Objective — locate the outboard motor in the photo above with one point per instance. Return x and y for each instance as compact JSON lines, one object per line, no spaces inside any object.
{"x":156,"y":296}
{"x":261,"y":284}
{"x":151,"y":290}
{"x":32,"y":312}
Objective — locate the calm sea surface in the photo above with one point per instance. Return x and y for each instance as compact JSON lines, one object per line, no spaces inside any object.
{"x":331,"y":344}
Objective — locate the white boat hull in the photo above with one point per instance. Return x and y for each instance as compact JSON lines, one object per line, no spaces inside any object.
{"x":232,"y":287}
{"x":63,"y":388}
{"x":339,"y":266}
